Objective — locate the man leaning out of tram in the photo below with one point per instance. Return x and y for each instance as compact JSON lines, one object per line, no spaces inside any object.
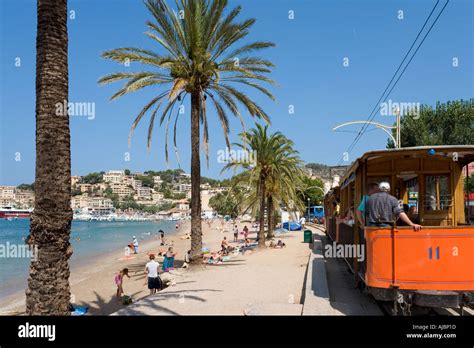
{"x":383,"y":207}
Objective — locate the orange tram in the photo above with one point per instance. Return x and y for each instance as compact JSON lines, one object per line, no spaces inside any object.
{"x":432,"y":267}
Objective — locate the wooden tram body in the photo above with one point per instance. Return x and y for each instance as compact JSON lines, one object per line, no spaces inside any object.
{"x":433,"y":267}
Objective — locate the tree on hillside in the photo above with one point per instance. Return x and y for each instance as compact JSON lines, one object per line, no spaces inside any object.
{"x":26,"y":187}
{"x":450,"y":123}
{"x":146,"y":180}
{"x":203,"y":58}
{"x":92,"y":178}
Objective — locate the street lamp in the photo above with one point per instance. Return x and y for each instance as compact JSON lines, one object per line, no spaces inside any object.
{"x":309,"y":210}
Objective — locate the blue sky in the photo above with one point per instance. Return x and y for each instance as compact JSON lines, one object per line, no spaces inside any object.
{"x":310,"y":75}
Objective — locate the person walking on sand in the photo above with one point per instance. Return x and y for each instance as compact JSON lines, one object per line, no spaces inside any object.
{"x":119,"y":281}
{"x":151,"y":270}
{"x":236,"y":233}
{"x":135,"y":245}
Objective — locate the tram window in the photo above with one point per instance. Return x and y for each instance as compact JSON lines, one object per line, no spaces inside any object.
{"x":437,"y":195}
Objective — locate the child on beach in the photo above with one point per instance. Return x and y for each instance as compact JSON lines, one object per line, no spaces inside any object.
{"x":119,"y":281}
{"x":246,"y":232}
{"x":187,"y":259}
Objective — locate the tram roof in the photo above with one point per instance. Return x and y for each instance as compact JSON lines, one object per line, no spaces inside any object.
{"x":465,"y":154}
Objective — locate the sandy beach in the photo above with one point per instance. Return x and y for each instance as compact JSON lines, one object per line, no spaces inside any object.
{"x":255,"y":282}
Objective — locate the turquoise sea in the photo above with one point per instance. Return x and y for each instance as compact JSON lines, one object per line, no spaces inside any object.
{"x":89,"y":239}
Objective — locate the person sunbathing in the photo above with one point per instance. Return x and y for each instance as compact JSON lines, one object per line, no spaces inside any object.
{"x":280,"y":244}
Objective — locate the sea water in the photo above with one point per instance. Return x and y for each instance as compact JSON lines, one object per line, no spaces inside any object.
{"x":89,"y":239}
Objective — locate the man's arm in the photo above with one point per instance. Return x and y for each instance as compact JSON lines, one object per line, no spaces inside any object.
{"x":407,"y":220}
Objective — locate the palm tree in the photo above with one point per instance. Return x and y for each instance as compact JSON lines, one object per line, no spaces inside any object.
{"x":203,"y":59}
{"x":283,"y":184}
{"x":276,"y":165}
{"x":48,"y":290}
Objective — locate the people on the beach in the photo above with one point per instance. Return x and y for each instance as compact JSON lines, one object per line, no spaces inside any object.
{"x":168,"y":261}
{"x":224,"y":244}
{"x":135,"y":245}
{"x":162,"y":237}
{"x":151,"y":270}
{"x":187,"y":259}
{"x":280,"y":244}
{"x":246,"y":232}
{"x":186,"y":236}
{"x":236,"y":233}
{"x":302,"y":221}
{"x":119,"y":281}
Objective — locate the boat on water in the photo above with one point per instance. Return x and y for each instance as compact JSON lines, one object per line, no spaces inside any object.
{"x":11,"y":213}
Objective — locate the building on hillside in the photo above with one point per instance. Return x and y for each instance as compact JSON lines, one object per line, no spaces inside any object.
{"x":84,"y":187}
{"x":75,"y":179}
{"x":94,"y":205}
{"x":144,"y":193}
{"x":114,"y":176}
{"x":183,"y":188}
{"x":176,"y":213}
{"x":182,"y":204}
{"x":122,"y":190}
{"x":24,"y":199}
{"x":7,"y":192}
{"x":157,"y":180}
{"x":157,"y":196}
{"x":205,"y":186}
{"x":136,"y":184}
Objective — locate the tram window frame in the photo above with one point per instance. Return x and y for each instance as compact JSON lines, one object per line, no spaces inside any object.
{"x":443,"y":205}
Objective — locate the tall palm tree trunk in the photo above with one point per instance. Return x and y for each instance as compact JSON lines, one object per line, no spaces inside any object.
{"x":48,"y":290}
{"x":261,"y":232}
{"x":270,"y":217}
{"x":196,"y":228}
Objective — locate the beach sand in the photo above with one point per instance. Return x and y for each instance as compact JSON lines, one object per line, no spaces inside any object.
{"x":257,"y":282}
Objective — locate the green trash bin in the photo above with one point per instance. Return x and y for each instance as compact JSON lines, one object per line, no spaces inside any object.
{"x":308,"y":236}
